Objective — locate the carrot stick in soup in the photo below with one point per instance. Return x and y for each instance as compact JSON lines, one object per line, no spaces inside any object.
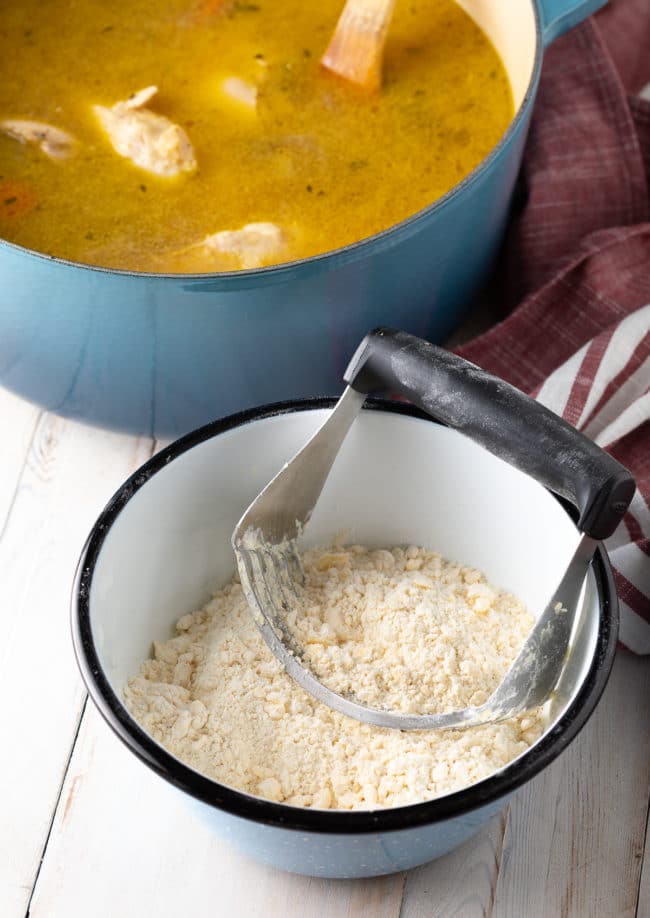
{"x":356,"y":49}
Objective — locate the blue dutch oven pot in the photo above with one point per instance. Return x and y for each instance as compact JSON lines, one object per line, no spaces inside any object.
{"x":161,"y":354}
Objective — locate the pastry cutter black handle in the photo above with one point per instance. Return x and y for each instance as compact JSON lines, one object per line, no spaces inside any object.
{"x":500,"y":418}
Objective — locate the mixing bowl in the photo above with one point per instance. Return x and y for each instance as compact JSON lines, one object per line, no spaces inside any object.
{"x":162,"y":354}
{"x":162,"y":545}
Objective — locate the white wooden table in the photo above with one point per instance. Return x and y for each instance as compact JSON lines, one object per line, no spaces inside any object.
{"x":86,"y":830}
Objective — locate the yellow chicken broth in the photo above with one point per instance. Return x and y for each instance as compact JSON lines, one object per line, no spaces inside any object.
{"x":320,"y":158}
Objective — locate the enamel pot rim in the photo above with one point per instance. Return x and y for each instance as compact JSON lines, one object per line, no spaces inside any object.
{"x":302,"y":819}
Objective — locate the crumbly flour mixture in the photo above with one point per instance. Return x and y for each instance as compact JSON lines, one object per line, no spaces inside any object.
{"x":399,"y":627}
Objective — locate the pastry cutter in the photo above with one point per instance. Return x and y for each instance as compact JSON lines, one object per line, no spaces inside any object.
{"x":501,"y":419}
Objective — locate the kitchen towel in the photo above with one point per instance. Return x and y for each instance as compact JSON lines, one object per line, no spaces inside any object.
{"x":574,"y":275}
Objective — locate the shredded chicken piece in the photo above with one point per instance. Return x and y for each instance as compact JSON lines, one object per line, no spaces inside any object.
{"x":149,"y":140}
{"x":54,"y":142}
{"x":252,"y":246}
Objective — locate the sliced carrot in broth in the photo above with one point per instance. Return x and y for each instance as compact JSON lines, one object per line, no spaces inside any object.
{"x":206,"y":9}
{"x":16,"y":198}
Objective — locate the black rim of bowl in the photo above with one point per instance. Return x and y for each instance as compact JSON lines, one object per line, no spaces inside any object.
{"x":243,"y":805}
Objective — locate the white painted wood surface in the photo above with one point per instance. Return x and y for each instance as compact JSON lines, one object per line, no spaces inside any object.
{"x":86,"y":830}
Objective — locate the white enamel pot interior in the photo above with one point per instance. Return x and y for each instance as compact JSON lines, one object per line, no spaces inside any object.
{"x":521,"y":30}
{"x":517,"y":35}
{"x":163,"y":545}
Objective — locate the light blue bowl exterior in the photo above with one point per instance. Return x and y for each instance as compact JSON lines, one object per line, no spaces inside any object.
{"x":346,"y":856}
{"x":163,"y":354}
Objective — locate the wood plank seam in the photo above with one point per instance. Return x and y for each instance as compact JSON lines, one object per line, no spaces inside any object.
{"x":56,"y":806}
{"x":642,"y":861}
{"x":554,"y":832}
{"x":504,"y":819}
{"x":402,"y":896}
{"x":19,"y":476}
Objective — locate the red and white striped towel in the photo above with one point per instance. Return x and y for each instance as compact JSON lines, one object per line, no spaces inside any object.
{"x":578,"y":252}
{"x":604,"y":391}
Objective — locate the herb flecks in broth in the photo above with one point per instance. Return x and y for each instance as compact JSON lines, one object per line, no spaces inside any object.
{"x":278,"y":142}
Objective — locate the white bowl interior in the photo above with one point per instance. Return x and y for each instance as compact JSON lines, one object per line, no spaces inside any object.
{"x":397,"y":480}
